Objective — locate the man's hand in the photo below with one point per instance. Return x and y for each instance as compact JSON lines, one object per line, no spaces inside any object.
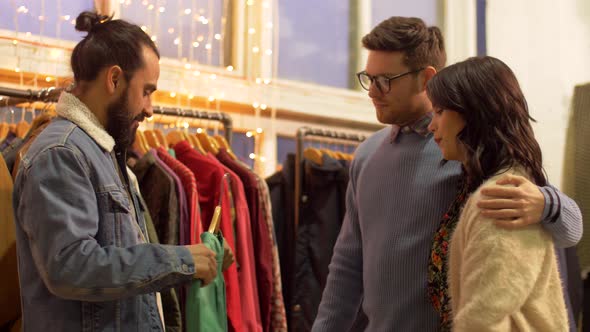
{"x":513,"y":207}
{"x":228,"y":256}
{"x":205,"y":263}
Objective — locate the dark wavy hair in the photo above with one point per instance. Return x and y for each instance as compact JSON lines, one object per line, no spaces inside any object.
{"x":498,"y":133}
{"x":108,"y":42}
{"x":422,"y":45}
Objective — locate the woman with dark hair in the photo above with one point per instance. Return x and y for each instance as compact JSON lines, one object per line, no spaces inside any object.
{"x":498,"y":279}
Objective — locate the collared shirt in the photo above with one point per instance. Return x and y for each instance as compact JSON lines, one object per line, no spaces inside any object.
{"x":419,"y":127}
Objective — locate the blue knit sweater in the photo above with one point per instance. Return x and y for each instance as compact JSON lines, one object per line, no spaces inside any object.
{"x":397,"y":194}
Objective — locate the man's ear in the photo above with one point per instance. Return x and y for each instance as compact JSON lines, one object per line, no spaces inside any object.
{"x":427,"y":74}
{"x":114,"y":78}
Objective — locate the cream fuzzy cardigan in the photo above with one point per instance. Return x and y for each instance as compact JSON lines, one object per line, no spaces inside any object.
{"x":503,"y":280}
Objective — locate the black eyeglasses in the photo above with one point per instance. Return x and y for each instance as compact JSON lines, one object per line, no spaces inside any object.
{"x":383,"y":82}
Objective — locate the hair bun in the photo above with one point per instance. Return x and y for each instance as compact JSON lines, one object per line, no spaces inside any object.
{"x":87,"y":21}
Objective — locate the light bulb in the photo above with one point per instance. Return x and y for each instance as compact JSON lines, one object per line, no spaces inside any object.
{"x":252,"y":156}
{"x":190,"y":97}
{"x":150,"y":118}
{"x":22,"y":10}
{"x":73,"y":21}
{"x":263,"y":106}
{"x":16,"y":69}
{"x":258,"y":80}
{"x":251,"y":31}
{"x":205,"y":21}
{"x":211,"y":98}
{"x":230,"y":68}
{"x":187,"y":11}
{"x":263,"y":159}
{"x":150,"y":7}
{"x":48,"y":79}
{"x":249,"y":134}
{"x":217,"y":36}
{"x":255,"y":104}
{"x":200,"y":38}
{"x":268,"y":52}
{"x":154,"y":38}
{"x":185,"y":125}
{"x":208,"y":46}
{"x":199,"y":130}
{"x":170,"y":30}
{"x":67,"y":17}
{"x":15,"y":41}
{"x":176,"y":41}
{"x":144,"y":28}
{"x":172,"y":94}
{"x":267,"y":81}
{"x":259,"y":130}
{"x":162,"y":9}
{"x":255,"y":49}
{"x":187,"y":66}
{"x":196,"y":44}
{"x":196,"y":73}
{"x":213,"y":76}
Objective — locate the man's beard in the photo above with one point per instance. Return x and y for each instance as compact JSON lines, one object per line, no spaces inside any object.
{"x":120,"y":120}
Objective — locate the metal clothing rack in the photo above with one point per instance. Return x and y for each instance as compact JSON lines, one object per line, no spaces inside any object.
{"x":52,"y":95}
{"x":302,"y":134}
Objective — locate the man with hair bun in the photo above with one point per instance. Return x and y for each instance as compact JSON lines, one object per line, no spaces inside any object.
{"x":84,"y":261}
{"x":399,"y":191}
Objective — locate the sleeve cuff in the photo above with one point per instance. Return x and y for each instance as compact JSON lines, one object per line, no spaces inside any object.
{"x":181,"y":260}
{"x":551,"y":210}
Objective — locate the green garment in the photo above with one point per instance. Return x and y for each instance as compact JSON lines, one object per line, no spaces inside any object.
{"x":205,"y":306}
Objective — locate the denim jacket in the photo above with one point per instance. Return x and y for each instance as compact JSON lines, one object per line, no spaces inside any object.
{"x":84,"y":264}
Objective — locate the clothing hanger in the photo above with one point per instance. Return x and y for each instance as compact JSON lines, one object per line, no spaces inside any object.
{"x":151,"y":139}
{"x":160,"y":135}
{"x":22,"y":128}
{"x":4,"y":127}
{"x":206,"y":142}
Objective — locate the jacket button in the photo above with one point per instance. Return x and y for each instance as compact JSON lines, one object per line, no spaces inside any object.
{"x":184,"y":267}
{"x":297,"y":307}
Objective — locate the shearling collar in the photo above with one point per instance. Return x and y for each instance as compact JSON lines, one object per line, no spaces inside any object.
{"x":71,"y":108}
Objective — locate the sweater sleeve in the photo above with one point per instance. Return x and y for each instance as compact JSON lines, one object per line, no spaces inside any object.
{"x":499,"y":269}
{"x":343,"y":292}
{"x":561,"y":217}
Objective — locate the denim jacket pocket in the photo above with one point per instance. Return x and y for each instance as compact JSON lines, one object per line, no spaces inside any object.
{"x":114,"y":217}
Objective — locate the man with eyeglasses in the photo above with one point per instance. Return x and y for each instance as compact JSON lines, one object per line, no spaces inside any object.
{"x":399,"y":191}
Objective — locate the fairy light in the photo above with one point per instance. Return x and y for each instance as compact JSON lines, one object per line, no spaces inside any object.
{"x":162,"y":9}
{"x":187,"y":11}
{"x":267,"y":81}
{"x":199,"y":130}
{"x":17,"y":69}
{"x":150,"y":119}
{"x":172,"y":94}
{"x":187,"y":66}
{"x":263,"y":106}
{"x":205,"y":21}
{"x":196,"y":44}
{"x":144,"y":28}
{"x":196,"y":73}
{"x":251,"y":31}
{"x":263,"y":159}
{"x":255,"y":49}
{"x":255,"y":104}
{"x":252,"y":156}
{"x":230,"y":68}
{"x":150,"y":7}
{"x":217,"y":36}
{"x":269,"y":25}
{"x":258,"y":80}
{"x":208,"y":46}
{"x":248,"y":134}
{"x":48,"y":79}
{"x":176,"y":41}
{"x":211,"y":98}
{"x":154,"y":38}
{"x":66,"y":17}
{"x":259,"y":130}
{"x":22,"y":10}
{"x":213,"y":76}
{"x":250,"y":2}
{"x":200,"y":38}
{"x":14,"y":41}
{"x":185,"y":125}
{"x":268,"y":51}
{"x":190,"y":97}
{"x":73,"y":21}
{"x":170,"y":30}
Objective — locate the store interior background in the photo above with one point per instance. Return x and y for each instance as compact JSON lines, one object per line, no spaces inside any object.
{"x":277,"y":65}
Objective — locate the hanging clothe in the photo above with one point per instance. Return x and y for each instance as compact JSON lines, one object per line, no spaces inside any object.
{"x":261,"y":237}
{"x":9,"y":284}
{"x":209,"y":175}
{"x":205,"y":306}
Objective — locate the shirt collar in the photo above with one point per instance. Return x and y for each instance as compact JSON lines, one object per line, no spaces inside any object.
{"x":419,"y":127}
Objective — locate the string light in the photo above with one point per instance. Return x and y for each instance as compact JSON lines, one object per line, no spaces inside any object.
{"x":172,"y":94}
{"x":196,"y":73}
{"x":208,"y":46}
{"x":211,"y":98}
{"x":230,"y":68}
{"x":251,"y":31}
{"x":15,"y":41}
{"x":144,"y":28}
{"x":150,"y":119}
{"x":258,"y":80}
{"x":66,"y":17}
{"x":267,"y":81}
{"x":73,"y":21}
{"x":200,"y":38}
{"x":190,"y":97}
{"x":269,"y":25}
{"x":249,"y":134}
{"x":205,"y":21}
{"x":41,"y":18}
{"x":187,"y":11}
{"x":199,"y":130}
{"x":217,"y":36}
{"x":187,"y":66}
{"x":154,"y":38}
{"x":263,"y":106}
{"x":213,"y":76}
{"x":48,"y":79}
{"x":252,"y":156}
{"x":150,"y":7}
{"x":250,"y":2}
{"x":176,"y":41}
{"x":259,"y":130}
{"x":196,"y":44}
{"x":22,"y":10}
{"x":255,"y":49}
{"x":162,"y":9}
{"x":263,"y":159}
{"x":170,"y":30}
{"x":16,"y":69}
{"x":185,"y":125}
{"x":268,"y":52}
{"x":255,"y":104}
